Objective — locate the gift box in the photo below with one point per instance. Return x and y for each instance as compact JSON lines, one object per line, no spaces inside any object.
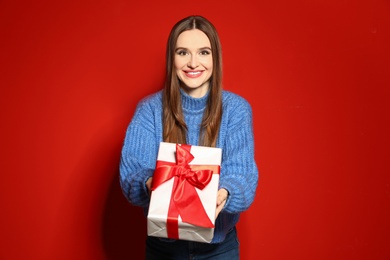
{"x":184,"y":192}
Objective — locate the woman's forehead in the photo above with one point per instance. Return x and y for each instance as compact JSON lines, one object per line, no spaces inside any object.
{"x":193,"y":38}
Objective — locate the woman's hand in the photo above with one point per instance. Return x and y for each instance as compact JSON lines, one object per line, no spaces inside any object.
{"x":221,"y":201}
{"x":149,"y":184}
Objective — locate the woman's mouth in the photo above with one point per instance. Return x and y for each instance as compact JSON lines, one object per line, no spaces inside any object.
{"x":193,"y":74}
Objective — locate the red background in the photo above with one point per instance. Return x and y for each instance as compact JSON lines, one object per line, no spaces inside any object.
{"x":315,"y":72}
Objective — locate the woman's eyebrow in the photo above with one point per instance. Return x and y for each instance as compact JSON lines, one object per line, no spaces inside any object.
{"x":180,"y":48}
{"x":186,"y":49}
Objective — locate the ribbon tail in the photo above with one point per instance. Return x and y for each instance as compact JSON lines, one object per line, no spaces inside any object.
{"x":191,"y":209}
{"x":173,"y":217}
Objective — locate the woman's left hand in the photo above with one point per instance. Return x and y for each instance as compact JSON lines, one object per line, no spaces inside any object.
{"x":221,"y":201}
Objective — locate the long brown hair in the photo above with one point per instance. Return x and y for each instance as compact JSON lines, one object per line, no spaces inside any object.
{"x":175,"y":128}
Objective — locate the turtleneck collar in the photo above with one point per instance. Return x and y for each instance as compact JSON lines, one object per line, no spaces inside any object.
{"x":193,"y":104}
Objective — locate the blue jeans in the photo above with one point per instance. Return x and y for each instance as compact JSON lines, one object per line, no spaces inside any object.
{"x":156,"y":249}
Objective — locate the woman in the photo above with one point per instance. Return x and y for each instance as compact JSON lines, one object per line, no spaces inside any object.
{"x":192,"y":108}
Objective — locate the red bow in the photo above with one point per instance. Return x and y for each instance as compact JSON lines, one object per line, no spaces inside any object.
{"x":184,"y":199}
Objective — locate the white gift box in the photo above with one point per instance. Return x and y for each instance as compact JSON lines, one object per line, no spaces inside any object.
{"x":161,"y":196}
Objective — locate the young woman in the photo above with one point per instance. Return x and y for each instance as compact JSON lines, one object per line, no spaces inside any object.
{"x":193,"y":109}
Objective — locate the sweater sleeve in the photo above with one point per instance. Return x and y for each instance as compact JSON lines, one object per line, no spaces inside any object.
{"x":239,"y":174}
{"x":138,"y":157}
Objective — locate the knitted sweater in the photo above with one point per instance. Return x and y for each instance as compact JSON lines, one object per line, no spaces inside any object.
{"x":238,"y":173}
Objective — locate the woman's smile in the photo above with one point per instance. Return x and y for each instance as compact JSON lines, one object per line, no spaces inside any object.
{"x":193,"y":74}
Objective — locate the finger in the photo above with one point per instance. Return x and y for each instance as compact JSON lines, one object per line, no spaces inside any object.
{"x":149,"y":184}
{"x":220,"y":200}
{"x":219,"y":208}
{"x":222,"y":196}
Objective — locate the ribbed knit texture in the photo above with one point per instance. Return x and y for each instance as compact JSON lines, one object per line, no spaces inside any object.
{"x":238,"y":175}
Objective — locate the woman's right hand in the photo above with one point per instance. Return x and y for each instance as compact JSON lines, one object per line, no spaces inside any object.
{"x":149,"y":184}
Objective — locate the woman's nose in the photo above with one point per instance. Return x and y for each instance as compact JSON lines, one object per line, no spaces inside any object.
{"x":193,"y":62}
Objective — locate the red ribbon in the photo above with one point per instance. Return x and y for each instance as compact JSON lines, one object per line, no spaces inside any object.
{"x":184,"y":199}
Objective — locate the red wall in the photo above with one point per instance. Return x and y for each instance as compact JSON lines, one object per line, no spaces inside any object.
{"x":315,"y":72}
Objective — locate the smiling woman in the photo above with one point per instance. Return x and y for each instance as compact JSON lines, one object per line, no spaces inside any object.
{"x":193,"y":109}
{"x":194,"y":62}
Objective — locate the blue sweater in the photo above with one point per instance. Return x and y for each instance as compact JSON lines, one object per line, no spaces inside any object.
{"x":238,"y":170}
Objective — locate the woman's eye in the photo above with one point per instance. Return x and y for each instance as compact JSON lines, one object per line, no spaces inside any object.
{"x":182,"y":53}
{"x":204,"y":53}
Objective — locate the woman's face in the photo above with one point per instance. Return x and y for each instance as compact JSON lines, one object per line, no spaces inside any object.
{"x":194,"y":62}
